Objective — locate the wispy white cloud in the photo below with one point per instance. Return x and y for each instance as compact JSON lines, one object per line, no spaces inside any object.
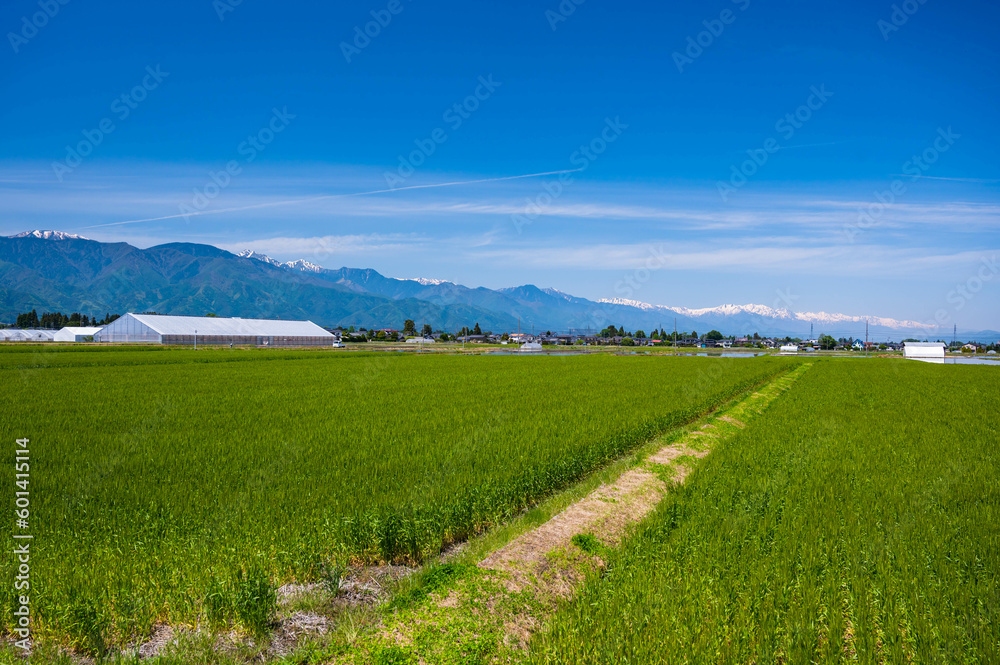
{"x":312,"y":199}
{"x":826,"y":260}
{"x":981,"y":181}
{"x":317,"y":248}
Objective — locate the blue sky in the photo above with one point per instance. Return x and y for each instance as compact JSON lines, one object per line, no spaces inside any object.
{"x":654,"y":106}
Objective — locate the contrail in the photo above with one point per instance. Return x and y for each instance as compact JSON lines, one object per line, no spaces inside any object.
{"x":986,"y":181}
{"x":808,"y":145}
{"x":333,"y":196}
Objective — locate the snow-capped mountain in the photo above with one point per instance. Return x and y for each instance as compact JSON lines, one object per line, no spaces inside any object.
{"x":250,"y":254}
{"x":303,"y":265}
{"x":559,"y":294}
{"x":765,"y":312}
{"x":298,"y":264}
{"x":424,"y":281}
{"x":48,"y":235}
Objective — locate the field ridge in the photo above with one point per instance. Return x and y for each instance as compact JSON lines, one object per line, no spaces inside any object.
{"x":491,"y":610}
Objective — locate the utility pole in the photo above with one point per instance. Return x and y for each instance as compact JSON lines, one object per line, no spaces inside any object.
{"x":196,"y":339}
{"x":675,"y":335}
{"x":866,"y":338}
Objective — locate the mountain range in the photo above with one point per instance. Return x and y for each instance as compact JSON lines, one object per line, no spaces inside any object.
{"x":54,"y":271}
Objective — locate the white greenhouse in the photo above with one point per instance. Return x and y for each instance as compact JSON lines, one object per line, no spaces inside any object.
{"x":13,"y":335}
{"x":160,"y":329}
{"x":19,"y":335}
{"x":921,"y":350}
{"x":78,"y":334}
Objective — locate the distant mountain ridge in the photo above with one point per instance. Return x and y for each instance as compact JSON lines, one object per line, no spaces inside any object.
{"x":772,"y":313}
{"x":743,"y":317}
{"x":60,"y":272}
{"x":54,"y":271}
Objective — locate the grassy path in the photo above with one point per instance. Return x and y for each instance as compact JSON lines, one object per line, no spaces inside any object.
{"x":487,"y":612}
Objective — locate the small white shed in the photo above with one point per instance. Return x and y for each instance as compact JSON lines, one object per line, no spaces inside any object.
{"x":78,"y":334}
{"x":920,"y":350}
{"x":789,"y":348}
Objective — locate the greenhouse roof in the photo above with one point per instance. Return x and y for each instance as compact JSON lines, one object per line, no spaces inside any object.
{"x":211,"y":325}
{"x":80,"y":330}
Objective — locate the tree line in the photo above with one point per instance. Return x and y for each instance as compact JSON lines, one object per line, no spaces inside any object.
{"x":57,"y":320}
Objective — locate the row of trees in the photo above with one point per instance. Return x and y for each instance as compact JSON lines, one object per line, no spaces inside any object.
{"x":59,"y":320}
{"x":661,"y":334}
{"x":410,"y":329}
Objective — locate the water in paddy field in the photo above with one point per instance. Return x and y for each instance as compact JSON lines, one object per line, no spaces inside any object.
{"x":734,"y":354}
{"x":624,"y":353}
{"x":960,"y":361}
{"x":536,"y":353}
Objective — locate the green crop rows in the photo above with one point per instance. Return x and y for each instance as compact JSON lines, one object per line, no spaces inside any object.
{"x":858,"y":519}
{"x":158,"y":477}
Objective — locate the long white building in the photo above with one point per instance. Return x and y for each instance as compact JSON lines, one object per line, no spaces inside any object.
{"x":160,"y":329}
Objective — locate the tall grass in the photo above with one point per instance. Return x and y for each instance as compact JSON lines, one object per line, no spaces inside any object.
{"x":158,"y":481}
{"x":859,"y":518}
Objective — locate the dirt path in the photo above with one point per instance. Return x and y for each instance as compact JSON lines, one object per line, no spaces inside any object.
{"x":542,"y":560}
{"x":493,"y":613}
